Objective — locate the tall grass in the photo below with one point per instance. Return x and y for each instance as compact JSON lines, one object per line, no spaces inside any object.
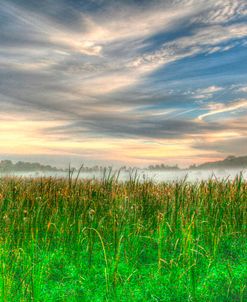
{"x":73,"y":240}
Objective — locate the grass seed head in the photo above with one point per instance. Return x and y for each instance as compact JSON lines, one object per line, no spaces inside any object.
{"x":91,"y":214}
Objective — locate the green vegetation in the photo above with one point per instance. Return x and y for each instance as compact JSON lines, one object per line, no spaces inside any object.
{"x":72,"y":240}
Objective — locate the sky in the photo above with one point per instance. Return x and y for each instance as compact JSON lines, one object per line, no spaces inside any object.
{"x":130,"y":82}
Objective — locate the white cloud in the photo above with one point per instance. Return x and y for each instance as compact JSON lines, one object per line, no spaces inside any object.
{"x":243,"y":89}
{"x":205,"y":93}
{"x":210,"y":89}
{"x":205,"y":40}
{"x":222,"y":11}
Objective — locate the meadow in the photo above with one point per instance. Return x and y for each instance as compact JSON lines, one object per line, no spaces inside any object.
{"x":106,"y":240}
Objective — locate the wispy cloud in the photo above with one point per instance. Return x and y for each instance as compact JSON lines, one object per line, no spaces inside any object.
{"x":218,"y":108}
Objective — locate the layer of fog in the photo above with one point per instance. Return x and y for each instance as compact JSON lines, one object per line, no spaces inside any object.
{"x":142,"y":175}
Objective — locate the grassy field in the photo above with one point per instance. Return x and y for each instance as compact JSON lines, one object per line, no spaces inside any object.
{"x":72,"y":240}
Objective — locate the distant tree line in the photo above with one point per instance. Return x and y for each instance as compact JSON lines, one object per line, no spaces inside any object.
{"x":20,"y":166}
{"x":229,"y":162}
{"x":163,"y":167}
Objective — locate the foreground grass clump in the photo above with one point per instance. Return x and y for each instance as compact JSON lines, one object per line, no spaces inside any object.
{"x":72,"y":240}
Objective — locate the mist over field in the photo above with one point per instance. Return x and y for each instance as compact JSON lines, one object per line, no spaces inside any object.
{"x":142,"y":175}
